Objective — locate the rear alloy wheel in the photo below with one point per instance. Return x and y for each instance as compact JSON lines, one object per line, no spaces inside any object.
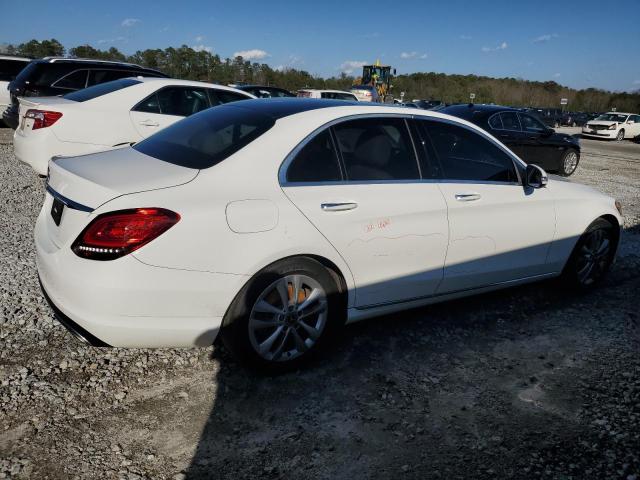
{"x":569,"y":163}
{"x":620,"y":135}
{"x":592,"y":256}
{"x":284,"y":315}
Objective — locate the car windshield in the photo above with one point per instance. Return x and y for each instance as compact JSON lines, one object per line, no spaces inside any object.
{"x":612,"y":117}
{"x":100,"y":90}
{"x":206,"y":138}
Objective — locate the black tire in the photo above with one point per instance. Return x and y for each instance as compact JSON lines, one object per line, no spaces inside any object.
{"x":568,"y":167}
{"x":236,"y":332}
{"x":620,"y":135}
{"x":573,"y":273}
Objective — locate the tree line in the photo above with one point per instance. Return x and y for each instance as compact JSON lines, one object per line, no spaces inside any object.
{"x":187,"y":63}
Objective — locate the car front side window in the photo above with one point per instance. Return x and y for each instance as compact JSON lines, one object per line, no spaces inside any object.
{"x":530,"y":124}
{"x":468,"y":156}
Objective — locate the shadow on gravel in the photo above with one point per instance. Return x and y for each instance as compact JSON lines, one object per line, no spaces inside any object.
{"x":490,"y":386}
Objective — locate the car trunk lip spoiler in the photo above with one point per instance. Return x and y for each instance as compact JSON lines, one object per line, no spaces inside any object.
{"x":68,"y":202}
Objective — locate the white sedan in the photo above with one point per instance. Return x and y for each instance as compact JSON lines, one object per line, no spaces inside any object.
{"x":613,"y":126}
{"x":109,"y":115}
{"x":272,"y":222}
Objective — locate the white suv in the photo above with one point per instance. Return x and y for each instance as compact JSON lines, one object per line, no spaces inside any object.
{"x":613,"y":126}
{"x":10,"y":67}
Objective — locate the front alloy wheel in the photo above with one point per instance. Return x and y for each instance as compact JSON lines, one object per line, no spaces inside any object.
{"x":592,"y":256}
{"x":569,"y":163}
{"x":620,"y":135}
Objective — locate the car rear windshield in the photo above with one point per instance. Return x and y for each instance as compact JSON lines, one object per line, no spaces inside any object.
{"x":101,"y":89}
{"x":206,"y":138}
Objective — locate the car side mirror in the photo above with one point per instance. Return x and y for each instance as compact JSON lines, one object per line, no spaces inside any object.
{"x":535,"y":177}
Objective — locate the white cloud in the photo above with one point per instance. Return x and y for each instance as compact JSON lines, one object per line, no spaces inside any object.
{"x":254,"y":54}
{"x":199,"y":38}
{"x":465,"y":37}
{"x":545,"y":38}
{"x":502,"y":46}
{"x":350,"y":66}
{"x":556,"y":75}
{"x":407,"y":55}
{"x":111,"y":40}
{"x":636,"y":82}
{"x":130,"y":22}
{"x":292,"y":62}
{"x":202,"y":48}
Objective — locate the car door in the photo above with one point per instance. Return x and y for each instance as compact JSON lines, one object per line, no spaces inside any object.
{"x":499,"y":231}
{"x":506,"y":127}
{"x":167,"y":106}
{"x":360,"y":184}
{"x":633,"y":126}
{"x":538,"y":146}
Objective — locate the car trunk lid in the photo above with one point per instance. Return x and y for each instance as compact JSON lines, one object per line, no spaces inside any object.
{"x":79,"y":185}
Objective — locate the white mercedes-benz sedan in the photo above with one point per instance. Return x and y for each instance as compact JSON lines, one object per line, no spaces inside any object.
{"x":109,"y":115}
{"x":271,"y":223}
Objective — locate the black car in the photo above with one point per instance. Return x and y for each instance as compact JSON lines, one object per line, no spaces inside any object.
{"x":262,"y":91}
{"x":51,"y":76}
{"x":525,"y":135}
{"x":575,"y":119}
{"x":427,"y":104}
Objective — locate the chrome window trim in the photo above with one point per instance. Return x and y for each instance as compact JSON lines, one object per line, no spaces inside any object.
{"x":282,"y":171}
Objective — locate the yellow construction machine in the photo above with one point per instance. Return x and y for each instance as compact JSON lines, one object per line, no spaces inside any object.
{"x":379,"y":77}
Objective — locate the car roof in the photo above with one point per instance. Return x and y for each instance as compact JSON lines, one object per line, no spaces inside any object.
{"x":114,"y":63}
{"x":241,"y":87}
{"x":617,"y":113}
{"x":12,"y":57}
{"x":177,"y":81}
{"x":278,"y":108}
{"x":323,"y":90}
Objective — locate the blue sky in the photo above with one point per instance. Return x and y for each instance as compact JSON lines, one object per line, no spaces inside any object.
{"x":578,"y":43}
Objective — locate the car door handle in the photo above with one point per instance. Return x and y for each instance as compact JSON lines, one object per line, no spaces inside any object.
{"x":149,"y":123}
{"x":467,"y":197}
{"x":338,"y":207}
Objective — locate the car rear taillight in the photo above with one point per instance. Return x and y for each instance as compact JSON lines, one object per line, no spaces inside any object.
{"x":42,"y":118}
{"x":115,"y":234}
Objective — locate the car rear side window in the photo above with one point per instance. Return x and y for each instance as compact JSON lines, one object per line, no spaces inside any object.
{"x":316,"y":161}
{"x":495,"y":122}
{"x":73,"y":81}
{"x":98,"y":90}
{"x":510,"y":121}
{"x":218,"y":97}
{"x":179,"y":101}
{"x":102,"y":76}
{"x":9,"y":69}
{"x":468,"y":156}
{"x":377,"y":149}
{"x":207,"y":138}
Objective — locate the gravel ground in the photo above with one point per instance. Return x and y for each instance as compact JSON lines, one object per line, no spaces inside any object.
{"x":525,"y":383}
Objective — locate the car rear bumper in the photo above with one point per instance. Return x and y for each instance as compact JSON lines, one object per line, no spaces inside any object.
{"x":126,"y":303}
